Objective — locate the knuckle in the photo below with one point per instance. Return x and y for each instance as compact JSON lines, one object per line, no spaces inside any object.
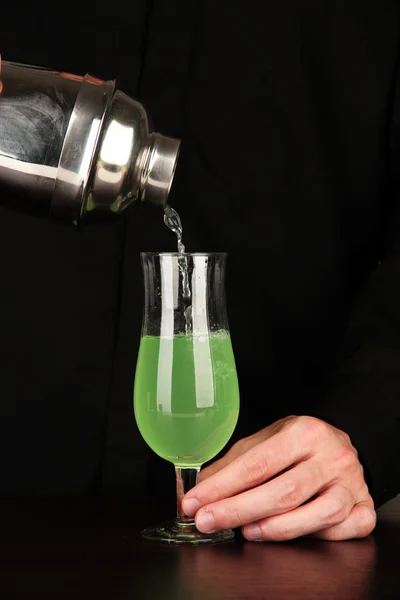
{"x":312,"y":427}
{"x":347,"y":440}
{"x":357,"y":486}
{"x":367,"y":522}
{"x":302,"y":422}
{"x":337,"y":512}
{"x":239,"y":445}
{"x":255,"y":468}
{"x":362,"y":472}
{"x":347,"y":459}
{"x":287,"y":422}
{"x":290,"y":496}
{"x":242,"y":446}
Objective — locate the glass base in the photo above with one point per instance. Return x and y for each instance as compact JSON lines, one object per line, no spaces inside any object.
{"x":183,"y":531}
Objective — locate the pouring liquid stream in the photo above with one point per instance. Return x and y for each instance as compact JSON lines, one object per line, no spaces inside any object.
{"x":173,"y":222}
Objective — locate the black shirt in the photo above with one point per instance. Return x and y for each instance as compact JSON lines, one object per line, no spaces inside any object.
{"x":289,"y":117}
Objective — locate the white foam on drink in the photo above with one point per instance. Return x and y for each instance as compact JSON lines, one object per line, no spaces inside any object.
{"x":205,"y":336}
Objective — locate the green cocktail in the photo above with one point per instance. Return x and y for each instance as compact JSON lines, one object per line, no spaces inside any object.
{"x":186,"y":396}
{"x":186,"y":393}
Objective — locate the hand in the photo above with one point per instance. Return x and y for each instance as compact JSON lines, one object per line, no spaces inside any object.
{"x":297,"y":477}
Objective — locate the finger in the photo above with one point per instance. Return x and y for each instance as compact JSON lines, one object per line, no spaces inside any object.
{"x":215,"y":467}
{"x":332,"y":507}
{"x":244,"y":445}
{"x":360,"y":523}
{"x":237,"y":450}
{"x":282,"y":494}
{"x":253,"y":468}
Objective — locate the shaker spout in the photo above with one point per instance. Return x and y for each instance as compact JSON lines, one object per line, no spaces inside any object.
{"x":160,"y":169}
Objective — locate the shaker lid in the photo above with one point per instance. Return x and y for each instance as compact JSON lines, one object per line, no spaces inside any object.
{"x":79,"y":148}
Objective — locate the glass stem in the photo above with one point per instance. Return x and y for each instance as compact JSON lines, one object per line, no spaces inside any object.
{"x":186,"y":479}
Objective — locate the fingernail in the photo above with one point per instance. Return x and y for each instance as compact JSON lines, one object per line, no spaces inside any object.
{"x":205,"y":522}
{"x":252,"y":532}
{"x":190,"y":506}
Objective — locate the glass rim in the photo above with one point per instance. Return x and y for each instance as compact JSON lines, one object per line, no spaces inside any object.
{"x":187,"y":254}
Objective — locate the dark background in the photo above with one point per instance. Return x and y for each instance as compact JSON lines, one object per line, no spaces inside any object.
{"x":286,"y":113}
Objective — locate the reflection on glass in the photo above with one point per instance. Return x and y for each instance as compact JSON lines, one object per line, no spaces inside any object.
{"x":202,"y":345}
{"x":186,"y":393}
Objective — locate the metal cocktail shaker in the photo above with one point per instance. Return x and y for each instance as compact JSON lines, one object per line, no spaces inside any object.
{"x":74,"y":147}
